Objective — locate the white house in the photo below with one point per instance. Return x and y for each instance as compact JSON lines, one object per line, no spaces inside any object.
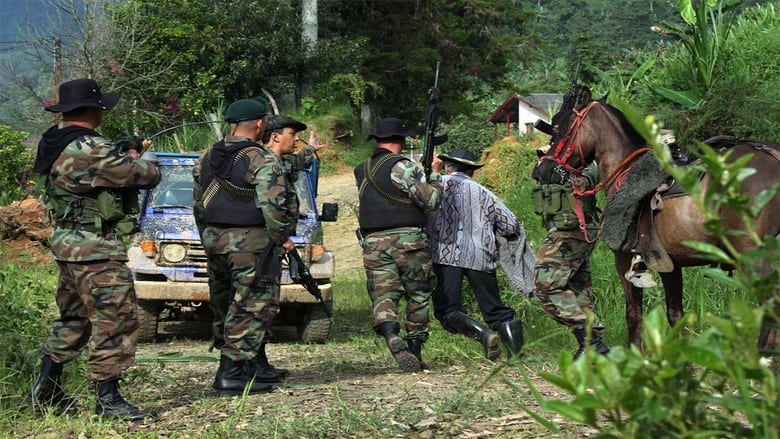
{"x":523,"y":111}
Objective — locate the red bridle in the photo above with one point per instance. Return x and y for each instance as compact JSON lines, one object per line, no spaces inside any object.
{"x":569,"y":145}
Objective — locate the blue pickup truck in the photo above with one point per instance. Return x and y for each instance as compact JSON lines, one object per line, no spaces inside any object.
{"x":169,"y":264}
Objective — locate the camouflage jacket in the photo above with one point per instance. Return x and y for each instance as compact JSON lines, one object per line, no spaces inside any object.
{"x":408,"y":177}
{"x":88,"y":163}
{"x":274,"y":195}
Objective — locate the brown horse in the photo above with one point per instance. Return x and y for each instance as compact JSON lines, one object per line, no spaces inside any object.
{"x":597,"y":131}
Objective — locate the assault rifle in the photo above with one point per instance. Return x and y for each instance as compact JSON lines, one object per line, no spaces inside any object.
{"x":431,"y":121}
{"x":300,"y":274}
{"x":571,"y":97}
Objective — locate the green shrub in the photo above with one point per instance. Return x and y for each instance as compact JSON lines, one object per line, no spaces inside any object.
{"x":16,"y":159}
{"x":26,"y":310}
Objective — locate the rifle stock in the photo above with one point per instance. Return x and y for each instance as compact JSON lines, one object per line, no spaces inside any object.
{"x":431,"y":122}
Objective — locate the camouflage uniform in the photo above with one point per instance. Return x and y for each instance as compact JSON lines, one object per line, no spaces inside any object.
{"x":398,"y":266}
{"x":562,"y":274}
{"x":244,"y":262}
{"x":397,"y":259}
{"x":95,"y":295}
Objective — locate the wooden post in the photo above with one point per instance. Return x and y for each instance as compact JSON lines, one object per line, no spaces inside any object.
{"x":57,"y":74}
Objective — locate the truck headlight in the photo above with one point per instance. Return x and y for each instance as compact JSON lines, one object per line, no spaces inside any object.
{"x":148,"y":247}
{"x":174,"y":252}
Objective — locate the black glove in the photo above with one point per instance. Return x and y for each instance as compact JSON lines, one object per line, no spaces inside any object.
{"x":127,"y":143}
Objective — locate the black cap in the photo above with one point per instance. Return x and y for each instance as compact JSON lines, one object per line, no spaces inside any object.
{"x":279,"y":121}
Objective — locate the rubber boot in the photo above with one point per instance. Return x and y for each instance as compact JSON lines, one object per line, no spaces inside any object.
{"x":471,"y":328}
{"x":232,"y":379}
{"x":511,"y":333}
{"x":595,"y":342}
{"x":47,"y":391}
{"x":405,"y":359}
{"x":415,"y":347}
{"x":263,"y":371}
{"x":111,"y":405}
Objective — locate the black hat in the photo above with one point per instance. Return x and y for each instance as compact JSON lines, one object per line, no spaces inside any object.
{"x":278,"y":121}
{"x":246,"y":109}
{"x":390,"y":127}
{"x":463,"y":157}
{"x":81,"y":93}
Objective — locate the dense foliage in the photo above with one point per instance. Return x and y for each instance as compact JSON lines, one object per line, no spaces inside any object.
{"x":740,"y":99}
{"x":16,"y":160}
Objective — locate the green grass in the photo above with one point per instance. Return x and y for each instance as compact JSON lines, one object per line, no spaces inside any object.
{"x":324,"y":402}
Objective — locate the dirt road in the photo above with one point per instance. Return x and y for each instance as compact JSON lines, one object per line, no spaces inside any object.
{"x":340,"y":236}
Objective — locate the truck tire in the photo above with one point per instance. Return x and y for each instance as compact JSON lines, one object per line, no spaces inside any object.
{"x":316,"y":324}
{"x":148,"y":314}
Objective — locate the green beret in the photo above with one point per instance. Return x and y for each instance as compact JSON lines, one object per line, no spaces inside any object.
{"x":246,"y":109}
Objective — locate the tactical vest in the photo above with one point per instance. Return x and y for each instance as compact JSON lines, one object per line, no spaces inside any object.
{"x":231,"y":201}
{"x":103,"y":211}
{"x":384,"y":206}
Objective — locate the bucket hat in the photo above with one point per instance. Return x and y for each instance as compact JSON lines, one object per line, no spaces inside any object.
{"x":462,"y":156}
{"x":390,"y":127}
{"x":80,"y":93}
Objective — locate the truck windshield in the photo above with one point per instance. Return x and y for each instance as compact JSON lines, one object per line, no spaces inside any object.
{"x":175,"y":188}
{"x":304,"y":197}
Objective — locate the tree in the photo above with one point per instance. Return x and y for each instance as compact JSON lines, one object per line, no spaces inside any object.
{"x":406,"y":39}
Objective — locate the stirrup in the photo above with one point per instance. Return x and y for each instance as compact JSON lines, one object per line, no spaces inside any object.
{"x":639,"y":277}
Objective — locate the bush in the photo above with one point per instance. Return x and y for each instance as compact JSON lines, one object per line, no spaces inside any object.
{"x":26,"y":308}
{"x":16,"y":161}
{"x":741,"y":100}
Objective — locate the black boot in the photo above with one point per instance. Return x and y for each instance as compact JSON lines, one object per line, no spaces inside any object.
{"x":111,"y":405}
{"x":264,"y":372}
{"x":511,"y":333}
{"x":232,"y":378}
{"x":47,"y":391}
{"x":471,"y":328}
{"x":595,"y":342}
{"x":405,"y":359}
{"x":415,"y":347}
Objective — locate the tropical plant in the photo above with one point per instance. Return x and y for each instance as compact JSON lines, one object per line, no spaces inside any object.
{"x":708,"y":25}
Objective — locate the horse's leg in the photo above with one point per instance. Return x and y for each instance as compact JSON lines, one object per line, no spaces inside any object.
{"x":673,"y":287}
{"x":633,"y":300}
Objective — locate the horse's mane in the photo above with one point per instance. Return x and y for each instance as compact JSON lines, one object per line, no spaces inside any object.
{"x":636,"y":140}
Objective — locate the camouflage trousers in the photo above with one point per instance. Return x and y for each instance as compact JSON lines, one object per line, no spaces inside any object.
{"x":96,"y":301}
{"x":245,"y":299}
{"x":562,"y":279}
{"x":398,"y":266}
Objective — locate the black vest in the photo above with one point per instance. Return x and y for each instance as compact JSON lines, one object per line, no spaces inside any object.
{"x":385,"y":207}
{"x":233,"y":200}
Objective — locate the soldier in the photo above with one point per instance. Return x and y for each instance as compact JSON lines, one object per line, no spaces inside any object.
{"x":562,"y":273}
{"x":394,"y":201}
{"x":90,"y":185}
{"x":248,"y":213}
{"x":463,"y":236}
{"x":280,"y":137}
